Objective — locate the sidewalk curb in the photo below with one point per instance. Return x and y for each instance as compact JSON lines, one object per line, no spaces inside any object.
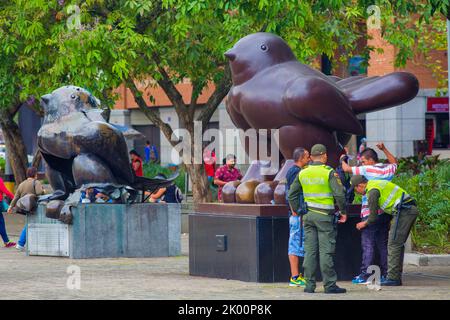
{"x":420,"y":259}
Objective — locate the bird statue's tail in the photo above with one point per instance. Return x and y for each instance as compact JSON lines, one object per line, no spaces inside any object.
{"x":153,"y":184}
{"x":368,"y":94}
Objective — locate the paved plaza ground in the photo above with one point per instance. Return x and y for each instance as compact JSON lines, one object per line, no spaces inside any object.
{"x":23,"y":277}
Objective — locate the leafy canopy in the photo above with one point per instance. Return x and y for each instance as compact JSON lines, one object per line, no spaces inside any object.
{"x":126,"y":38}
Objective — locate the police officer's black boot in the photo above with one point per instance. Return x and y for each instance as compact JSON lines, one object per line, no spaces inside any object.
{"x":335,"y":289}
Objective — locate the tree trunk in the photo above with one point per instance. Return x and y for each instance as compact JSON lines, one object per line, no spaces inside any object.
{"x":15,"y":146}
{"x":200,"y":186}
{"x":37,"y":158}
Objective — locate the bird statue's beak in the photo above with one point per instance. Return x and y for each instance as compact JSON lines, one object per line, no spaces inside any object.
{"x":45,"y":100}
{"x":230,"y":55}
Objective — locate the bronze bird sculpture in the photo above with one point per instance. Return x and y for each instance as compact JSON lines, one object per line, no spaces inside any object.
{"x":272,"y":90}
{"x":80,"y":147}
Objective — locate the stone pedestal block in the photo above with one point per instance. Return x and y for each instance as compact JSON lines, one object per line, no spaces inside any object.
{"x":108,"y":231}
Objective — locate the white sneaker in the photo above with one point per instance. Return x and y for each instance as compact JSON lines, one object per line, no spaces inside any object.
{"x":19,"y":247}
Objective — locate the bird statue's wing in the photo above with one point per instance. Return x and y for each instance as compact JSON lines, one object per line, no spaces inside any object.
{"x":349,"y":85}
{"x":108,"y":143}
{"x":318,"y":101}
{"x":153,"y":184}
{"x":334,"y":78}
{"x":377,"y":93}
{"x":351,"y":79}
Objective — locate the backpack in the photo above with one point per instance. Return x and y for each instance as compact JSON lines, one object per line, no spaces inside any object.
{"x":28,"y":203}
{"x":173,"y":195}
{"x":178,"y":195}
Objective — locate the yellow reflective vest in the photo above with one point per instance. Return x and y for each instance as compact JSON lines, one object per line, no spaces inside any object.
{"x":390,"y":194}
{"x":316,"y":187}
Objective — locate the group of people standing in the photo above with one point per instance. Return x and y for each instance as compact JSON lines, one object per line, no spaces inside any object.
{"x":313,"y":191}
{"x":137,"y":163}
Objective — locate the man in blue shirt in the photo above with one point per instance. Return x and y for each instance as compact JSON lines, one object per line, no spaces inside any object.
{"x":151,"y":154}
{"x":147,"y":151}
{"x":296,"y":234}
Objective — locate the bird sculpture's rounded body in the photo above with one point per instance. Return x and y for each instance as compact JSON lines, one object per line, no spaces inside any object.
{"x":272,"y":90}
{"x":80,"y":148}
{"x":78,"y":145}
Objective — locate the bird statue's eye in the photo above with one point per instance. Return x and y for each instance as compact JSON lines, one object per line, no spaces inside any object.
{"x":72,"y":96}
{"x":263,"y":47}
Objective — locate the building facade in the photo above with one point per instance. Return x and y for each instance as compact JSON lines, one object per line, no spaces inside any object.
{"x":405,"y":128}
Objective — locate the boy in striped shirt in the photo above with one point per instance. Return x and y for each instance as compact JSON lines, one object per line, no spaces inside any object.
{"x":378,"y":233}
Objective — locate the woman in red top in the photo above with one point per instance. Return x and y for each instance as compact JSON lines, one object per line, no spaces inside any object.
{"x":209,"y":158}
{"x":4,"y":235}
{"x":136,"y":163}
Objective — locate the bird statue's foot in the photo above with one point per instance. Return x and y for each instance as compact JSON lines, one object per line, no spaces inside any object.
{"x":66,"y":215}
{"x":53,"y":209}
{"x":264,"y":192}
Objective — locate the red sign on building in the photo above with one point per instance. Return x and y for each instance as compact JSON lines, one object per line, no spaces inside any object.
{"x":437,"y":104}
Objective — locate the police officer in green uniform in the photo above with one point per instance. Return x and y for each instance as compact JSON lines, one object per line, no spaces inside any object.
{"x":395,"y":201}
{"x":321,"y":186}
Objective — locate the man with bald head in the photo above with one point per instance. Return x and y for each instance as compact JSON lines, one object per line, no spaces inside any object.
{"x":296,"y":232}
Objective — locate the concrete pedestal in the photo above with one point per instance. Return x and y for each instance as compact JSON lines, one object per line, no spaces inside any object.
{"x":108,"y":231}
{"x":250,"y":243}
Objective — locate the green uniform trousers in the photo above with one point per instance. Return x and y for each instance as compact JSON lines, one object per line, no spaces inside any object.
{"x":320,"y":241}
{"x":396,"y":246}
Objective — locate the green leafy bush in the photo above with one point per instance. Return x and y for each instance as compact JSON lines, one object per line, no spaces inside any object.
{"x":415,"y":165}
{"x":2,"y":164}
{"x":431,"y":190}
{"x":152,"y":169}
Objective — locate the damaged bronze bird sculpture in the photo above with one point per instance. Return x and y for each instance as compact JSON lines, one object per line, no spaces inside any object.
{"x":80,"y":148}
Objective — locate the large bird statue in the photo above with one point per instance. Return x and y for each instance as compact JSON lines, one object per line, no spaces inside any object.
{"x":272,"y":90}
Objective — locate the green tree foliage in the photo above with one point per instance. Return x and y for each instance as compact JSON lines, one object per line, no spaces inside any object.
{"x":152,"y":169}
{"x":431,"y":190}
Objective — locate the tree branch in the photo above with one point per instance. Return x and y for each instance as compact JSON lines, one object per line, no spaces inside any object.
{"x":264,"y":27}
{"x":169,"y":87}
{"x":194,"y":97}
{"x":151,"y":113}
{"x":222,"y":89}
{"x":144,"y":22}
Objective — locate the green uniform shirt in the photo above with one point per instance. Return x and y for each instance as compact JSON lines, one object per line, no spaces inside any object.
{"x":335,"y":185}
